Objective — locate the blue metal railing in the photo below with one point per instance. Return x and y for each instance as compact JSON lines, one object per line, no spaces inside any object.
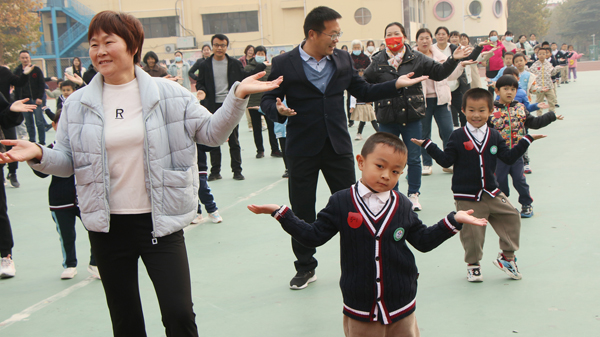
{"x":73,"y":33}
{"x":81,"y":9}
{"x":45,"y":48}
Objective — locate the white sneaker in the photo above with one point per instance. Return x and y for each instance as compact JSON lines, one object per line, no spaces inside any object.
{"x":474,"y":273}
{"x":414,"y":198}
{"x":427,"y":171}
{"x":198,"y":219}
{"x":94,"y":271}
{"x":448,"y":169}
{"x":7,"y":267}
{"x":215,"y":217}
{"x":68,"y":273}
{"x":358,"y":137}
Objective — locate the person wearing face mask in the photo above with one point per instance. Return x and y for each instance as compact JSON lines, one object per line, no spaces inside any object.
{"x":402,"y":114}
{"x":508,"y":42}
{"x":495,"y":63}
{"x":370,"y":50}
{"x":180,"y":70}
{"x":361,"y":61}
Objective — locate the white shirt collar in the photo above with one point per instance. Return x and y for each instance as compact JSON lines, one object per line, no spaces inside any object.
{"x":478,"y":133}
{"x":364,"y":190}
{"x":307,"y":57}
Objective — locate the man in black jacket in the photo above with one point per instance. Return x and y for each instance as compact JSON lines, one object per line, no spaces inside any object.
{"x":34,"y":90}
{"x":315,"y":75}
{"x":216,"y":75}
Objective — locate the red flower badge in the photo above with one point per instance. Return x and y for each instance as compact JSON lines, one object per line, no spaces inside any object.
{"x":354,"y":220}
{"x":468,"y":145}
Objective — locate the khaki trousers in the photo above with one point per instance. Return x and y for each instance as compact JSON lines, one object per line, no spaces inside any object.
{"x":564,"y":74}
{"x":502,"y":216}
{"x":406,"y":327}
{"x":550,"y":96}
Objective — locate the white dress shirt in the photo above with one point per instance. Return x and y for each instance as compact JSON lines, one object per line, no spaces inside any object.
{"x":478,"y":133}
{"x":375,"y":201}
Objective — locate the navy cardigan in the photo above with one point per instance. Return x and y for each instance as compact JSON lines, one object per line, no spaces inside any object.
{"x":379,"y":273}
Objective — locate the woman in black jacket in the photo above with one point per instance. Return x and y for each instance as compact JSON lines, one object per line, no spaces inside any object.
{"x":402,"y":114}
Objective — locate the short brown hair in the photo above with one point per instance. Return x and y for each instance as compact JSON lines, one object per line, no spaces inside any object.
{"x":124,"y":25}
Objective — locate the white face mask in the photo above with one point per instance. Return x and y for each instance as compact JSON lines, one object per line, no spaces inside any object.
{"x":370,"y":49}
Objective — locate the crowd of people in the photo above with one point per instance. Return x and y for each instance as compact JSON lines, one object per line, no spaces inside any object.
{"x":306,"y":100}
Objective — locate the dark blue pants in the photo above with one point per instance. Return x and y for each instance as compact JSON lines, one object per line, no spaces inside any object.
{"x":65,"y":226}
{"x":408,"y":131}
{"x":206,"y":198}
{"x":40,"y":123}
{"x":518,"y":177}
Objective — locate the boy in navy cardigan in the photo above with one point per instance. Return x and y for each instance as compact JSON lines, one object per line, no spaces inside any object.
{"x":473,"y":150}
{"x":379,"y":274}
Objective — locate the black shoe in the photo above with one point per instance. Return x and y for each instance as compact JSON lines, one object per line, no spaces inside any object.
{"x":12,"y":178}
{"x":238,"y":176}
{"x":285,"y":174}
{"x":277,"y":154}
{"x":48,"y":127}
{"x":214,"y":176}
{"x":302,"y":279}
{"x":260,"y":155}
{"x":556,"y":105}
{"x":350,"y":124}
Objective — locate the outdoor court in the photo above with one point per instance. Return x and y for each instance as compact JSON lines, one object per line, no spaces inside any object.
{"x":240,"y":268}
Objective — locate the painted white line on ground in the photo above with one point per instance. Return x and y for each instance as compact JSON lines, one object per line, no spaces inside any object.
{"x":41,"y":304}
{"x":23,"y":315}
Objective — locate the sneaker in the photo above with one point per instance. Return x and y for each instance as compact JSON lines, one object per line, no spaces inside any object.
{"x":214,"y":176}
{"x":68,"y":273}
{"x":527,"y":169}
{"x":556,"y":105}
{"x":12,"y":178}
{"x":302,"y":279}
{"x":215,"y":217}
{"x":427,"y":170}
{"x":358,"y":137}
{"x":526,"y":211}
{"x":509,"y":267}
{"x":350,"y":124}
{"x":94,"y":271}
{"x":285,"y":174}
{"x":474,"y":273}
{"x":277,"y":154}
{"x":414,"y":198}
{"x":197,"y":220}
{"x":448,"y":169}
{"x":238,"y":176}
{"x":260,"y":155}
{"x":7,"y":267}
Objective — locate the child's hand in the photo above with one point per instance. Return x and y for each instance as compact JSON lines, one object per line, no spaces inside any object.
{"x":543,"y":105}
{"x":417,"y":141}
{"x":545,"y":89}
{"x":466,"y":217}
{"x":536,"y":137}
{"x":560,"y":117}
{"x":263,"y":209}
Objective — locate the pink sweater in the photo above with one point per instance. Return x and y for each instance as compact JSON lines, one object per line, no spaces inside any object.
{"x":573,"y":59}
{"x":496,"y":62}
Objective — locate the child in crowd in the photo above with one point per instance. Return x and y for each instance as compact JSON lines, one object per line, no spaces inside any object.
{"x":521,"y":95}
{"x":512,"y":120}
{"x":573,"y":63}
{"x":474,"y":150}
{"x":67,"y":88}
{"x":56,"y":92}
{"x":280,"y":133}
{"x":533,"y":57}
{"x":362,"y":112}
{"x":375,"y":224}
{"x":508,"y":62}
{"x":205,"y":196}
{"x":62,"y":198}
{"x":562,"y":57}
{"x":543,"y":71}
{"x":526,"y":79}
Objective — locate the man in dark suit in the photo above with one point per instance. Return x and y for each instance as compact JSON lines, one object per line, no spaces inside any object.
{"x":216,"y":75}
{"x":315,"y":75}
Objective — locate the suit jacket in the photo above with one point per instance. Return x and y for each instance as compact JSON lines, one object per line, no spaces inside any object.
{"x":318,"y":115}
{"x":206,"y":78}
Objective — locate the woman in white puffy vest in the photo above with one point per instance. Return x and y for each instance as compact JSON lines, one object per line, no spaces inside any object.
{"x":130,"y":140}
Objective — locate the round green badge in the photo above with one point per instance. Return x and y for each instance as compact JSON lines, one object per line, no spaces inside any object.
{"x":398,"y":234}
{"x":494,"y":149}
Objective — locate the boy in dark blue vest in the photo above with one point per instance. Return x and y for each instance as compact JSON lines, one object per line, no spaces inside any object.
{"x":473,"y":150}
{"x":379,"y":273}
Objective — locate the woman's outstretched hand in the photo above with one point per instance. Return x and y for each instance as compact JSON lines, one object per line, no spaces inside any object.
{"x":20,"y":106}
{"x":462,"y":52}
{"x":22,"y":150}
{"x":251,"y":85}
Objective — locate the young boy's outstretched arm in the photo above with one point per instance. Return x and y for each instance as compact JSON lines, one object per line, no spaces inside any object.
{"x":510,"y":156}
{"x":445,"y":158}
{"x":425,"y":238}
{"x":310,"y":235}
{"x":533,"y":122}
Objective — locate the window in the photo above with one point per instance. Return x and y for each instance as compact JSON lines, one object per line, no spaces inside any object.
{"x":362,"y":16}
{"x":413,"y":11}
{"x":475,"y":8}
{"x":234,"y":22}
{"x":160,"y":27}
{"x":498,"y":8}
{"x":443,"y":10}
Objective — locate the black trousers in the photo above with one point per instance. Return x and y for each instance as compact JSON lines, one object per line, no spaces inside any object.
{"x":456,"y":108}
{"x":6,"y":238}
{"x":338,"y":170}
{"x":117,"y":253}
{"x":11,"y":133}
{"x":282,"y":146}
{"x":257,"y":131}
{"x":235,"y":152}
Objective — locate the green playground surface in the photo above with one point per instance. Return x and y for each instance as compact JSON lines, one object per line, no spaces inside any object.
{"x":241,"y":268}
